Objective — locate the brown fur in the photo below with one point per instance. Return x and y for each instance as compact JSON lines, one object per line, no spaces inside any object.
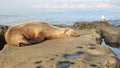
{"x":35,"y":32}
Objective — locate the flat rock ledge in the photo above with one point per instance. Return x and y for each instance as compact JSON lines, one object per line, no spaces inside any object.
{"x":77,"y":52}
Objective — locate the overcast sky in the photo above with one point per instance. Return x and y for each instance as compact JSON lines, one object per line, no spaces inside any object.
{"x":24,"y":4}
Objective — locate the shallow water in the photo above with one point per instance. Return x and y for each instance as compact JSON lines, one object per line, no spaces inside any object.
{"x":65,"y":64}
{"x":72,"y":56}
{"x":115,"y":50}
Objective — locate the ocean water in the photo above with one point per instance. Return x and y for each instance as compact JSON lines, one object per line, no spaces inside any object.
{"x":115,"y":50}
{"x":60,"y":16}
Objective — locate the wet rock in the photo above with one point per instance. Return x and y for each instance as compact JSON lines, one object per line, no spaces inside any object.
{"x":79,"y":47}
{"x":76,"y":55}
{"x":3,"y":30}
{"x":64,"y":64}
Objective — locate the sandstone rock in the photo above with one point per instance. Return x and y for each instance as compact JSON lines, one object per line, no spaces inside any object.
{"x":76,"y":52}
{"x":111,"y":37}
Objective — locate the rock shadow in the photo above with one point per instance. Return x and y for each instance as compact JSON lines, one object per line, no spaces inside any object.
{"x":2,"y":42}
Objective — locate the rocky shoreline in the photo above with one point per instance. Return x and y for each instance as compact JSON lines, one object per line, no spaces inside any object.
{"x":85,"y":51}
{"x":109,"y":32}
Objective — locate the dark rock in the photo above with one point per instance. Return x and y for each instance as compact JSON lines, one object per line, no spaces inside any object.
{"x":3,"y":30}
{"x":84,"y":25}
{"x":91,"y":25}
